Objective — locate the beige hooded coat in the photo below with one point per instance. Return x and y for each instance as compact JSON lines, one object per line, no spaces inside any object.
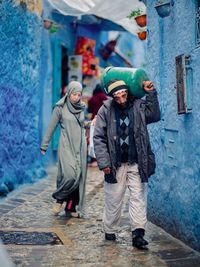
{"x":72,"y":149}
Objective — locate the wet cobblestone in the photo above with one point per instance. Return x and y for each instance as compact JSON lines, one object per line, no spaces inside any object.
{"x":83,"y":240}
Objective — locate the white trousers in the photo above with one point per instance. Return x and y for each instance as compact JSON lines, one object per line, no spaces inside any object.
{"x":127,"y":177}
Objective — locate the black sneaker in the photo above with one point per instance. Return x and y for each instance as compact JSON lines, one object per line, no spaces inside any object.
{"x":110,"y":237}
{"x":139,"y":242}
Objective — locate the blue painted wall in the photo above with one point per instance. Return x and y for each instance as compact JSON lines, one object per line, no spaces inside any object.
{"x":20,"y":46}
{"x":174,"y":198}
{"x":133,"y":49}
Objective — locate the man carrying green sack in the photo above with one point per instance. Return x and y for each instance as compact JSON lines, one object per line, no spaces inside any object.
{"x":123,"y":153}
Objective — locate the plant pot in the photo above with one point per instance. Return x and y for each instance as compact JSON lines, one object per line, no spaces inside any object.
{"x":164,"y":9}
{"x":142,"y":35}
{"x":47,"y":23}
{"x":141,"y":20}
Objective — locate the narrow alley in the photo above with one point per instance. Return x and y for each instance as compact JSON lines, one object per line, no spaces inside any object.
{"x":79,"y":242}
{"x":89,"y":85}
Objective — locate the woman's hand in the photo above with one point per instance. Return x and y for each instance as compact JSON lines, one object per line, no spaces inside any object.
{"x":90,"y":123}
{"x":94,"y":120}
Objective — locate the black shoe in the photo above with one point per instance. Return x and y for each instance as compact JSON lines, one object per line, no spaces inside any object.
{"x":110,"y":237}
{"x":137,"y":238}
{"x":139,"y":242}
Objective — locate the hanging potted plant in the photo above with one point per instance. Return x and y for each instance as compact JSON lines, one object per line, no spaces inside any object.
{"x":47,"y":23}
{"x":142,"y":35}
{"x":139,"y":17}
{"x":163,"y":7}
{"x":50,"y":25}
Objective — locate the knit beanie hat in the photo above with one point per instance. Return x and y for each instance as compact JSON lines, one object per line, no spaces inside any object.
{"x":116,"y":85}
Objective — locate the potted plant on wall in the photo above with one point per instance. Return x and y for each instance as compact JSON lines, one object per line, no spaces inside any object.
{"x":163,"y":7}
{"x":47,"y":23}
{"x":142,"y":35}
{"x":50,"y":25}
{"x":139,"y":17}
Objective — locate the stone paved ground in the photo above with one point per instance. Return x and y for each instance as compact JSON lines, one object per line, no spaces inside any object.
{"x":29,"y":209}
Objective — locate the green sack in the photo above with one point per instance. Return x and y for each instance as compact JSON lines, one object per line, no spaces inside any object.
{"x":133,"y":78}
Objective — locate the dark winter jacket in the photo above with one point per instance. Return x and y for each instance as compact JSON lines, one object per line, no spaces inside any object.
{"x":105,"y":135}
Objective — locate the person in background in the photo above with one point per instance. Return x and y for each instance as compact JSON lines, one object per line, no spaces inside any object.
{"x":123,"y":153}
{"x":63,"y":91}
{"x":72,"y":151}
{"x":96,"y":101}
{"x":94,"y":104}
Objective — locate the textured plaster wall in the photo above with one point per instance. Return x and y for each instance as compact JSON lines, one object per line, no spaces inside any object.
{"x":20,"y":46}
{"x":174,"y":198}
{"x":31,"y":5}
{"x":133,"y":49}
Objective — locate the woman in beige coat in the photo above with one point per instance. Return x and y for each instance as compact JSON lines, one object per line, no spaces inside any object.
{"x":72,"y":152}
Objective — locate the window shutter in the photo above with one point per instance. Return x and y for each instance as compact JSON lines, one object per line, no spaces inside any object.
{"x":180,"y":85}
{"x":183,"y":84}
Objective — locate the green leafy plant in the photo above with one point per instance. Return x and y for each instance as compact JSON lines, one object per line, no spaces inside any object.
{"x":135,"y":13}
{"x":53,"y":28}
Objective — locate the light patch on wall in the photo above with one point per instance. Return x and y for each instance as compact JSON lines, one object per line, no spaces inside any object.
{"x":31,"y":5}
{"x":171,"y":139}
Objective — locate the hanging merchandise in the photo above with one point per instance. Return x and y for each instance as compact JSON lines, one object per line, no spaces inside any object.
{"x":90,"y":66}
{"x":86,"y":47}
{"x":107,"y":50}
{"x":75,"y":68}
